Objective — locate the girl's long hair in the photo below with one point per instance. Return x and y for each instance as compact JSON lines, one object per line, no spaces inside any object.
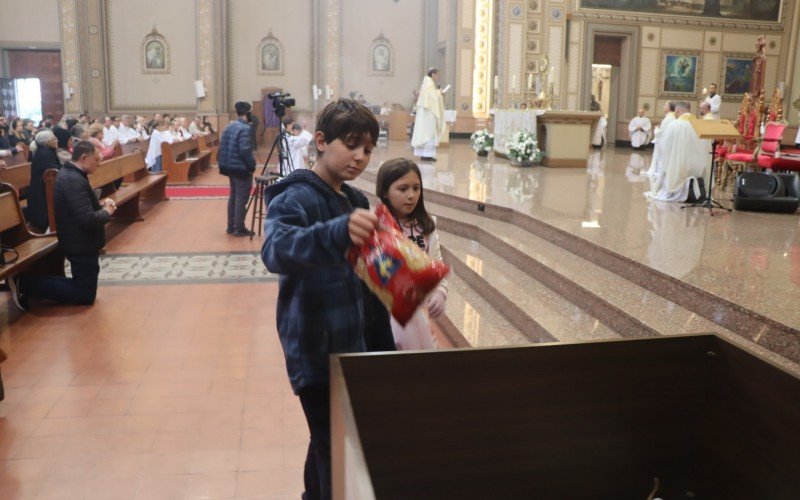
{"x":394,"y":169}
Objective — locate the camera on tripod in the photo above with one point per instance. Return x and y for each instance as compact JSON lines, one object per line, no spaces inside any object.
{"x":280,"y":102}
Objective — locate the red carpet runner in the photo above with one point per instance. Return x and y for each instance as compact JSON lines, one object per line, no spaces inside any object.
{"x":198,"y":192}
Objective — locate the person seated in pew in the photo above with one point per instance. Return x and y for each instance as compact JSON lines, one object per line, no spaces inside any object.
{"x":185,"y":135}
{"x":110,"y":132}
{"x":683,"y":158}
{"x":96,"y":137}
{"x":81,"y":219}
{"x":125,"y":133}
{"x":141,"y":128}
{"x":17,"y":133}
{"x":64,"y":138}
{"x":6,"y":149}
{"x":160,"y":135}
{"x":44,"y":159}
{"x":207,"y":125}
{"x":196,"y":128}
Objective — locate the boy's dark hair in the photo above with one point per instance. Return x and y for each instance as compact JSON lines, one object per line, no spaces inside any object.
{"x":394,"y":169}
{"x":347,"y":120}
{"x":242,"y":108}
{"x":81,"y":148}
{"x":287,"y":120}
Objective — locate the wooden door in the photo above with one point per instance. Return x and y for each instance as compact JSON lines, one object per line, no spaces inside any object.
{"x":46,"y":66}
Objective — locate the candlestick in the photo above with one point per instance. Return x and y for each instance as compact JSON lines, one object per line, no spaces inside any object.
{"x":314,"y":92}
{"x":496,"y":82}
{"x":513,"y":82}
{"x":530,"y":81}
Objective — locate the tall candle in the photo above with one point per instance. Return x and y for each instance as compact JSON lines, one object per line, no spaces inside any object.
{"x":496,"y":82}
{"x":314,"y":92}
{"x":550,"y":75}
{"x":513,"y":82}
{"x":530,"y":81}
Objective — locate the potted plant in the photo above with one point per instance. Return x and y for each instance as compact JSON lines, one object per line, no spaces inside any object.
{"x":522,"y":148}
{"x":482,"y":142}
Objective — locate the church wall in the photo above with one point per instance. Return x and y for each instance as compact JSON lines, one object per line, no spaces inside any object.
{"x":127,"y":24}
{"x":29,"y":22}
{"x":403,"y":24}
{"x":250,"y":21}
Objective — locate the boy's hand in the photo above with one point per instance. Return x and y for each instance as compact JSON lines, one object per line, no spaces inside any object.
{"x":361,"y":226}
{"x":436,"y":304}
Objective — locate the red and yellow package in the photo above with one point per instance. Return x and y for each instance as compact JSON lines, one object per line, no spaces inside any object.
{"x":396,"y":269}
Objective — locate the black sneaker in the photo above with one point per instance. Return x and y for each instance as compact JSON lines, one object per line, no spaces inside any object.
{"x":427,"y":158}
{"x":17,"y":296}
{"x":243,"y":233}
{"x":229,"y":231}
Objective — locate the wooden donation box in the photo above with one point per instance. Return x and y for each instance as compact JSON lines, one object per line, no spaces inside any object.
{"x":398,"y":125}
{"x":565,"y":137}
{"x":687,"y":416}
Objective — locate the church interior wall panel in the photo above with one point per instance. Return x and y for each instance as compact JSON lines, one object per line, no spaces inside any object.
{"x":681,"y":39}
{"x":712,"y":41}
{"x":403,"y":23}
{"x":29,"y":21}
{"x":514,"y":79}
{"x":127,"y":25}
{"x":739,"y":42}
{"x":651,"y":37}
{"x":467,"y":14}
{"x":649,"y":105}
{"x":69,"y":55}
{"x":444,"y":20}
{"x":95,"y":53}
{"x":711,"y":70}
{"x":465,"y":73}
{"x":649,"y":72}
{"x":250,"y":21}
{"x":555,"y":49}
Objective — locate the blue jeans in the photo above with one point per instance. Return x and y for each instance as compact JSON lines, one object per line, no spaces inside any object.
{"x":81,"y":289}
{"x":317,"y":473}
{"x":157,"y":166}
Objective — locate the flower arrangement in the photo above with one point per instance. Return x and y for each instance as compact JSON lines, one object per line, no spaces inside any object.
{"x":522,"y":147}
{"x":481,"y":141}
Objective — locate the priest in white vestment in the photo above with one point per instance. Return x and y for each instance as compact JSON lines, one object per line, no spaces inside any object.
{"x":639,"y":128}
{"x":683,"y":158}
{"x":797,"y":139}
{"x":429,"y":123}
{"x":599,"y":135}
{"x":714,"y":101}
{"x":125,"y":133}
{"x":669,"y":117}
{"x":705,"y":111}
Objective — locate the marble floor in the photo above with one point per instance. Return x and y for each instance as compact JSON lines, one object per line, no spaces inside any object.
{"x":751,"y":259}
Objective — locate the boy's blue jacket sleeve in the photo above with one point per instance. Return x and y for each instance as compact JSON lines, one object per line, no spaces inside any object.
{"x":292,"y":245}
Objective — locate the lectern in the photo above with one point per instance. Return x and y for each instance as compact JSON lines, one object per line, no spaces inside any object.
{"x":599,"y":420}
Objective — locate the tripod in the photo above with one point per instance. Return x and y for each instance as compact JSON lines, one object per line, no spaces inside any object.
{"x":266,"y":178}
{"x":709,"y":202}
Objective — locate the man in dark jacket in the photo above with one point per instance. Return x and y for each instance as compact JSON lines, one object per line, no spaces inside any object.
{"x":235,"y":158}
{"x":81,"y":221}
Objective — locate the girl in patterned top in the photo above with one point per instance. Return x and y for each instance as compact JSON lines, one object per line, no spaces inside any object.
{"x":399,"y":186}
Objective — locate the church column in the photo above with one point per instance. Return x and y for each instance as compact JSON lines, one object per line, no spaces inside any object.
{"x":92,"y":56}
{"x":333,"y":47}
{"x":209,"y":36}
{"x":482,"y":82}
{"x":70,"y":57}
{"x":792,"y":104}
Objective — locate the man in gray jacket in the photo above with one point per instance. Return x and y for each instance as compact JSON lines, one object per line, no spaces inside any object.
{"x":81,"y":221}
{"x":235,"y":158}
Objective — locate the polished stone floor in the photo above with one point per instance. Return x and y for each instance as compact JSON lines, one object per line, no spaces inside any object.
{"x":751,"y":259}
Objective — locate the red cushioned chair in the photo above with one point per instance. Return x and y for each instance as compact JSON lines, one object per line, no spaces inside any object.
{"x":744,"y":152}
{"x":770,"y":144}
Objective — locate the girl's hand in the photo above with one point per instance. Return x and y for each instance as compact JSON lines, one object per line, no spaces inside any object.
{"x":436,"y":304}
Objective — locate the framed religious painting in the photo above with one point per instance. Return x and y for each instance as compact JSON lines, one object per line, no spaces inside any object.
{"x":381,"y":57}
{"x":728,"y":10}
{"x":680,"y":73}
{"x":270,"y":56}
{"x":155,"y":54}
{"x":737,"y":72}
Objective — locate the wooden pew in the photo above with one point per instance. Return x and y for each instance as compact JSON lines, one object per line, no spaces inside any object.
{"x":181,"y":160}
{"x":127,"y":198}
{"x":17,"y":159}
{"x":133,"y":147}
{"x":31,"y":248}
{"x":209,"y":142}
{"x":18,"y":176}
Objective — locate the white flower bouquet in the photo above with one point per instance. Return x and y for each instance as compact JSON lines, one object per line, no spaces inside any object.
{"x":481,"y":141}
{"x":522,"y":147}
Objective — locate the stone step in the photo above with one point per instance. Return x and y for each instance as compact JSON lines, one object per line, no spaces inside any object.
{"x":477,"y":320}
{"x":532,"y":301}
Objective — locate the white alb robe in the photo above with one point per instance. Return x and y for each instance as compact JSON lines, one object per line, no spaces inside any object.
{"x":126,"y":134}
{"x":683,"y":157}
{"x":110,"y":134}
{"x":797,"y":139}
{"x":308,"y":136}
{"x":296,"y":144}
{"x":659,"y":130}
{"x":715,"y":102}
{"x":639,"y":137}
{"x":599,"y":134}
{"x":429,"y":121}
{"x":154,"y":149}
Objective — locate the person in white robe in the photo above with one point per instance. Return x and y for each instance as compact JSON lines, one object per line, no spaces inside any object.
{"x":599,"y":138}
{"x":669,"y":117}
{"x":305,"y":134}
{"x":141,"y":128}
{"x":684,"y":158}
{"x":714,"y":101}
{"x":125,"y":133}
{"x":429,"y":123}
{"x":797,"y":139}
{"x":705,"y":111}
{"x":110,"y":132}
{"x":296,"y":141}
{"x":160,"y":135}
{"x":196,"y":127}
{"x":639,"y":128}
